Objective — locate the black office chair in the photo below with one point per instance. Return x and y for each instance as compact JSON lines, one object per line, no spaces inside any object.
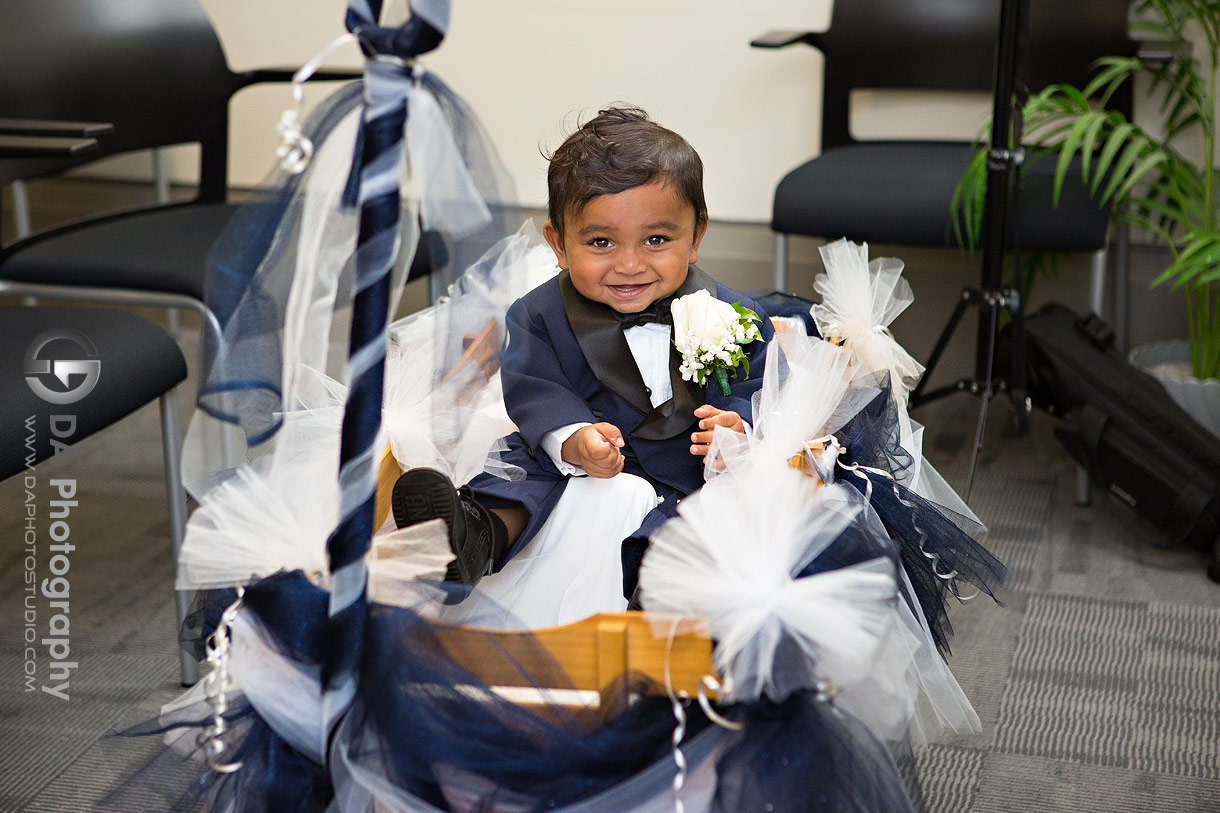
{"x":90,"y":366}
{"x":900,"y":191}
{"x":123,"y":362}
{"x":153,"y":74}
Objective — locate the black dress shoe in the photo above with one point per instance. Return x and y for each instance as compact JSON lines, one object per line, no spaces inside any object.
{"x":424,"y":494}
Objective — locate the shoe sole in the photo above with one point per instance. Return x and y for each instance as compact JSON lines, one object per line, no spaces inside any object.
{"x":421,"y":495}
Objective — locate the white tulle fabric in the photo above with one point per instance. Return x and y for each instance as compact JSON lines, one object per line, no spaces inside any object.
{"x":859,"y":301}
{"x":310,"y":252}
{"x":276,"y":513}
{"x":263,"y":519}
{"x":444,"y":411}
{"x":732,"y":553}
{"x":730,"y":558}
{"x":268,"y":518}
{"x":807,"y":393}
{"x":910,"y":695}
{"x":440,"y":410}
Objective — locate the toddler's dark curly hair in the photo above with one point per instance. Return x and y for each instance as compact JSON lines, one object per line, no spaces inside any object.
{"x":619,"y":149}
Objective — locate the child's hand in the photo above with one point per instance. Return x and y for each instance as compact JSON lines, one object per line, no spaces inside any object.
{"x":595,"y":448}
{"x":709,"y":418}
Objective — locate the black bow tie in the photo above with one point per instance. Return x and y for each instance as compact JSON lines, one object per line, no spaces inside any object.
{"x":657,"y":313}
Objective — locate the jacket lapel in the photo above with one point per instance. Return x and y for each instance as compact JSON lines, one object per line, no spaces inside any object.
{"x":603,"y":344}
{"x":609,"y":357}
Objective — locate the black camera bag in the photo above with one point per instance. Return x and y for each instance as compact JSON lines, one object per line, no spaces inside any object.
{"x":1121,"y":425}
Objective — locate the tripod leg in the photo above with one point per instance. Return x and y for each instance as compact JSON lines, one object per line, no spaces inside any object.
{"x":1017,"y":390}
{"x":941,"y":343}
{"x":993,"y":305}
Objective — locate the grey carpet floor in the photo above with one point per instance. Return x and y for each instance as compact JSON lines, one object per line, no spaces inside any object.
{"x":1098,"y":681}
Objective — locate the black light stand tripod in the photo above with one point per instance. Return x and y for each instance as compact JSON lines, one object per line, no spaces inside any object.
{"x":1004,"y":158}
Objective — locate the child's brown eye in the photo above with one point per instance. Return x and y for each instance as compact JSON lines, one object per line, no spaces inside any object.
{"x":656,"y":240}
{"x":599,"y":242}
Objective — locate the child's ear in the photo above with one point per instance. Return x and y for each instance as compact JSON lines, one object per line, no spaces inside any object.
{"x":556,"y":243}
{"x":700,"y":230}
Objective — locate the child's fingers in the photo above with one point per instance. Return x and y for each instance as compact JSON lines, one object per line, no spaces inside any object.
{"x":722,"y":417}
{"x":600,"y":448}
{"x":606,"y":467}
{"x":700,"y":441}
{"x":610,"y":432}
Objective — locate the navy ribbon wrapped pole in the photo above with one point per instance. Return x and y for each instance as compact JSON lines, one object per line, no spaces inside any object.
{"x":389,"y":52}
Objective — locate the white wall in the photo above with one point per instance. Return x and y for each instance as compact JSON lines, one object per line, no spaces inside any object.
{"x":533,"y":68}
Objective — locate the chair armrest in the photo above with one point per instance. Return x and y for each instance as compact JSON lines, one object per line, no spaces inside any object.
{"x":782,"y":38}
{"x":1157,"y":52}
{"x":19,"y":146}
{"x":62,"y":129}
{"x":262,"y":75}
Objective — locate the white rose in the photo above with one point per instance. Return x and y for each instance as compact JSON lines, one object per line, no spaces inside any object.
{"x":707,"y":318}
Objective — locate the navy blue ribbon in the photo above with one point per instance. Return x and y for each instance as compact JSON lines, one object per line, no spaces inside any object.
{"x":388,"y":73}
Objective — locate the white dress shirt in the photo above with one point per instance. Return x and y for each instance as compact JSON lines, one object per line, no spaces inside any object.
{"x":649,"y":346}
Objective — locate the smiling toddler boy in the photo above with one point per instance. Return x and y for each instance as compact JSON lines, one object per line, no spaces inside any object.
{"x":590,"y":374}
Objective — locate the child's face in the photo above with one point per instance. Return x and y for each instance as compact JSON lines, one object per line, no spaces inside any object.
{"x":629,"y":249}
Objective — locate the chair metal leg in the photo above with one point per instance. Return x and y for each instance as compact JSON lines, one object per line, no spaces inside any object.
{"x":171,"y":442}
{"x":781,"y":262}
{"x":21,"y":224}
{"x":21,"y":209}
{"x":160,"y":176}
{"x":1122,"y":292}
{"x":1083,"y":495}
{"x":1097,"y":283}
{"x":161,"y":184}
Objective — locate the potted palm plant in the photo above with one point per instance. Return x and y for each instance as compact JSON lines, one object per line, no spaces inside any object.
{"x":1146,"y":178}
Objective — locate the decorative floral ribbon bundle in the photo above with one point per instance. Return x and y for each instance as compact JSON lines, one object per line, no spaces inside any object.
{"x":709,"y":334}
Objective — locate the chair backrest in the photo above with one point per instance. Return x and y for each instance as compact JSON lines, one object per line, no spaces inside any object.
{"x":153,"y":68}
{"x":950,"y":45}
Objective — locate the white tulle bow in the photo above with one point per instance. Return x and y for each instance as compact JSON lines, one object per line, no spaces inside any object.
{"x":809,"y":389}
{"x":859,"y":301}
{"x":730,"y":557}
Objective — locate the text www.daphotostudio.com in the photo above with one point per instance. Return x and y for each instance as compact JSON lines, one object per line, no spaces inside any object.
{"x":62,"y":368}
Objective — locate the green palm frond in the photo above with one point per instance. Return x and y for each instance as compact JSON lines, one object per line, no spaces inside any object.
{"x":1196,"y":262}
{"x":1141,"y":176}
{"x":966,"y":207}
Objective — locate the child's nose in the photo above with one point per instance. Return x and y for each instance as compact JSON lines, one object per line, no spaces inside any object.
{"x":631,"y":261}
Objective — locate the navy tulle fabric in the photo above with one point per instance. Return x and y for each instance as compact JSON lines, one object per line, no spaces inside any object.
{"x":242,"y":368}
{"x":933,"y":541}
{"x":425,"y":719}
{"x":785,"y":745}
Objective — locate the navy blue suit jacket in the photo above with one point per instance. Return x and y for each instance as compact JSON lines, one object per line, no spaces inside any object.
{"x":568,"y":361}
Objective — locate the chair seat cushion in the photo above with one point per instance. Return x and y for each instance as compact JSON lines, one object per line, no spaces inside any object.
{"x":155,"y":250}
{"x":137,"y":361}
{"x":900,"y":192}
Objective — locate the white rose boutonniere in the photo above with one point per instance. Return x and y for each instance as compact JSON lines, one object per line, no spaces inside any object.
{"x":709,"y":334}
